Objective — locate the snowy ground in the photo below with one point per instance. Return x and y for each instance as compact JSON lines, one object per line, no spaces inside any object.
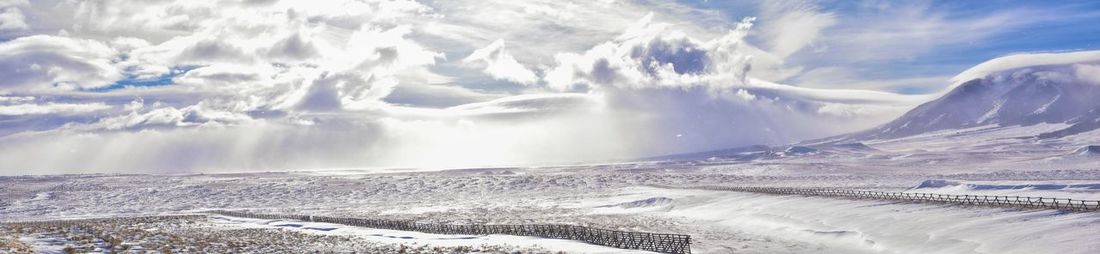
{"x":982,"y":160}
{"x":719,"y":221}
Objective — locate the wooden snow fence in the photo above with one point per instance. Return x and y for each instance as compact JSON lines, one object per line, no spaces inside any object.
{"x":663,"y":243}
{"x":1064,"y":204}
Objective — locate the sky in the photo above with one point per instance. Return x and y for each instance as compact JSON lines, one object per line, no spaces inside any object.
{"x":179,"y":86}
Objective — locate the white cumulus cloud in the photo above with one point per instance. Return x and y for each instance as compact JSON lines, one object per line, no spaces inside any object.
{"x":648,"y":54}
{"x":501,"y":65}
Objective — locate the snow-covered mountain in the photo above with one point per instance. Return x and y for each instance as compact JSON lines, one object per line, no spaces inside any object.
{"x":1007,"y":92}
{"x":1029,"y":107}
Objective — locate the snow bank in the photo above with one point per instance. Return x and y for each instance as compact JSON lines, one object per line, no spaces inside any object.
{"x":854,"y":147}
{"x":649,"y":202}
{"x":794,"y":224}
{"x":1007,"y":185}
{"x":1087,"y":190}
{"x":1090,"y":150}
{"x":797,"y":150}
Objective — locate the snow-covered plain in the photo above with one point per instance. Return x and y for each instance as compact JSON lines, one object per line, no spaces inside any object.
{"x":985,"y":160}
{"x":615,"y":196}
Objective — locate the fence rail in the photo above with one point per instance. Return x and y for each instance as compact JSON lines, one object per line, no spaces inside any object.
{"x":983,"y":200}
{"x":664,"y":243}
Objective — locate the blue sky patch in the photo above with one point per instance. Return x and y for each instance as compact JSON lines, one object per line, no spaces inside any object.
{"x":132,"y":81}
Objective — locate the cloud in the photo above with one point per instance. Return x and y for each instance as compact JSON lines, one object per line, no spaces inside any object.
{"x":231,"y":57}
{"x":127,"y":44}
{"x":275,"y":63}
{"x":293,"y":47}
{"x":44,"y":62}
{"x":790,"y":26}
{"x":683,"y":94}
{"x":647,"y":55}
{"x":154,"y":142}
{"x":12,"y":19}
{"x":531,"y":104}
{"x":223,"y":75}
{"x":901,"y":31}
{"x":14,"y":3}
{"x":1026,"y":60}
{"x":1088,"y":73}
{"x":160,"y":115}
{"x":436,"y":96}
{"x":210,"y":51}
{"x":267,"y":85}
{"x":501,"y":65}
{"x":526,"y":25}
{"x":836,"y":77}
{"x":908,"y":46}
{"x":50,"y":108}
